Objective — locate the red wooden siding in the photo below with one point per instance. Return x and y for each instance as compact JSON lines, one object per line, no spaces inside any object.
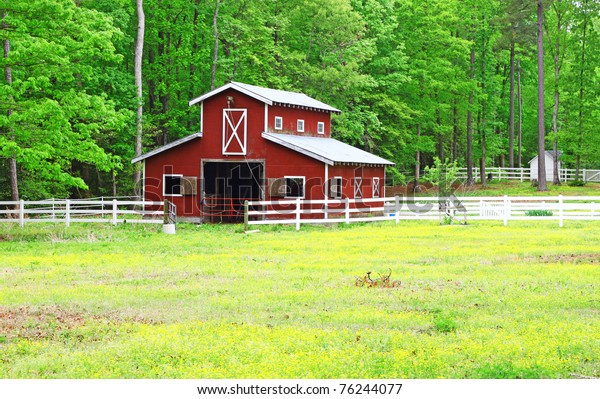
{"x":290,"y":118}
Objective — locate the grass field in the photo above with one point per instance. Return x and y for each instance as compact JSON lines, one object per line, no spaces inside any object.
{"x":477,"y":301}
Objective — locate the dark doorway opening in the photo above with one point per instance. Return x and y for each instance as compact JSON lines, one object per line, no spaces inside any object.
{"x":226,"y":186}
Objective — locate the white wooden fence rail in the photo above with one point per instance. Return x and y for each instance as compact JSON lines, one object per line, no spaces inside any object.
{"x":523,"y":174}
{"x":505,"y":208}
{"x":90,"y":211}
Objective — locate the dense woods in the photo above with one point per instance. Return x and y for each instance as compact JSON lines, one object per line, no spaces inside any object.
{"x":453,"y":79}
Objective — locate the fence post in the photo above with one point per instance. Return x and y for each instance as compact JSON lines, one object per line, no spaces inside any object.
{"x":246,"y":208}
{"x":397,"y":209}
{"x":326,"y":209}
{"x":560,"y":210}
{"x":347,"y":209}
{"x":68,"y":213}
{"x":521,"y":175}
{"x":22,"y":213}
{"x":53,"y":209}
{"x":506,"y":209}
{"x":298,"y":214}
{"x":166,"y":212}
{"x":114,"y":211}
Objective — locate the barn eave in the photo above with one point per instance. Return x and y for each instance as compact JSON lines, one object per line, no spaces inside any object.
{"x":166,"y":147}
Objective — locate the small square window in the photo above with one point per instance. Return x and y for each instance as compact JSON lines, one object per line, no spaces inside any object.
{"x":172,"y":185}
{"x":278,"y":123}
{"x":300,"y":125}
{"x":294,"y":186}
{"x":321,"y":127}
{"x":335,"y":187}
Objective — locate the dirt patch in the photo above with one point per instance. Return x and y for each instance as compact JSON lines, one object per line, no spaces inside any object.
{"x":567,"y":258}
{"x":37,"y":322}
{"x":46,"y":322}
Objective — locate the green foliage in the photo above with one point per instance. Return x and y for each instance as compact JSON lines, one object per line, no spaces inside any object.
{"x":56,"y":112}
{"x":576,"y":183}
{"x":483,"y":301}
{"x":442,"y":175}
{"x":538,"y":212}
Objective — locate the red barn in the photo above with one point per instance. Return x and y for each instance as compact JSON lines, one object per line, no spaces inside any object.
{"x":256,"y":143}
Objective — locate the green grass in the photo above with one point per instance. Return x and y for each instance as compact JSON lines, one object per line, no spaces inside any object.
{"x":476,"y":301}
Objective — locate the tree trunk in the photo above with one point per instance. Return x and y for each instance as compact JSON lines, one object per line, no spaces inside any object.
{"x":213,"y":71}
{"x":483,"y":110}
{"x":511,"y":110}
{"x":556,"y":58}
{"x":470,"y":180}
{"x":139,"y":50}
{"x":581,"y":90}
{"x":455,"y":130}
{"x":12,"y":161}
{"x":541,"y":133}
{"x":440,"y":138}
{"x":520,"y":108}
{"x":418,"y":158}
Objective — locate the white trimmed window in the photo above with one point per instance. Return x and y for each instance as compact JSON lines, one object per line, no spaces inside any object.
{"x":376,"y":187}
{"x":300,"y":125}
{"x":294,"y":186}
{"x":278,"y":123}
{"x":321,"y":127}
{"x":172,"y":185}
{"x":358,"y":187}
{"x":335,"y":187}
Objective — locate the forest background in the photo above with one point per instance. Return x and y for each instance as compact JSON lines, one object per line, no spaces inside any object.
{"x":452,"y":79}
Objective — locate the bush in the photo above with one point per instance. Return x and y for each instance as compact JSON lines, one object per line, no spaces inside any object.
{"x":538,"y":212}
{"x":576,"y":183}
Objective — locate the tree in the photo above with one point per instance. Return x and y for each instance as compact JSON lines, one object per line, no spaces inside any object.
{"x":139,"y":50}
{"x":557,"y":57}
{"x":541,"y":129}
{"x":12,"y":160}
{"x":51,"y":104}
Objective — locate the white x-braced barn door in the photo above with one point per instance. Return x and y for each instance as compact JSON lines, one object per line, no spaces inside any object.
{"x":235,"y":134}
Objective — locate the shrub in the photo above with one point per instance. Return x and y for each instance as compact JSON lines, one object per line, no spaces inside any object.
{"x":538,"y":212}
{"x":576,"y":183}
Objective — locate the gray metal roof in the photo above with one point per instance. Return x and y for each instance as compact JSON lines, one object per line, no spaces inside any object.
{"x":328,"y":150}
{"x":166,"y":147}
{"x":271,"y":96}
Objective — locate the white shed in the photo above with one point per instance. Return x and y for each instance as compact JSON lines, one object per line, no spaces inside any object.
{"x":533,"y":166}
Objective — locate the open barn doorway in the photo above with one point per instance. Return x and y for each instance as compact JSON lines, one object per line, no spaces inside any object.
{"x":225,"y":187}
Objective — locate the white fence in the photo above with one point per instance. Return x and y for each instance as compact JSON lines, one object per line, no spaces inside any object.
{"x":523,"y":174}
{"x":505,"y":208}
{"x":91,"y":211}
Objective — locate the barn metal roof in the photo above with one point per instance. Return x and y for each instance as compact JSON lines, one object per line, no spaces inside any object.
{"x":166,"y":147}
{"x":328,"y":150}
{"x":271,"y":96}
